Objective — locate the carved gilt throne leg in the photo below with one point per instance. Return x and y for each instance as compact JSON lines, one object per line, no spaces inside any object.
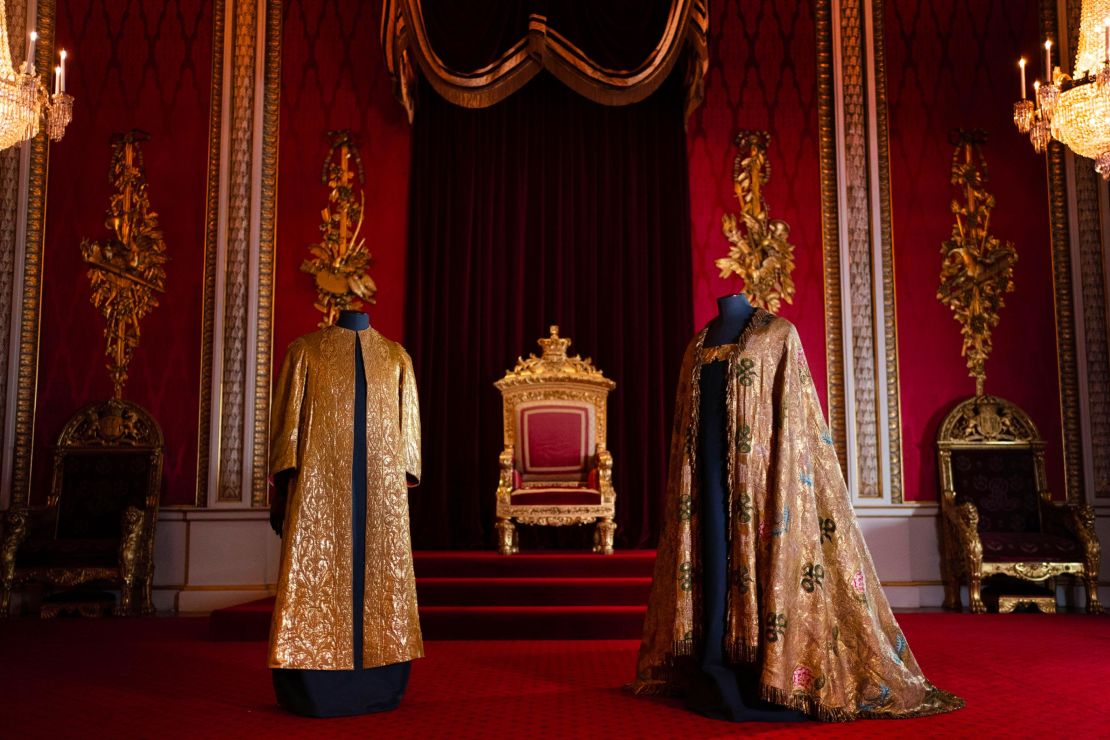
{"x":949,"y":571}
{"x":130,"y":558}
{"x":974,"y":597}
{"x":506,"y":537}
{"x":14,"y":533}
{"x":603,"y":535}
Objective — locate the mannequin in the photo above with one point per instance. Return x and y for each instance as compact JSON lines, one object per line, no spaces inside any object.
{"x":727,"y":692}
{"x":320,"y":693}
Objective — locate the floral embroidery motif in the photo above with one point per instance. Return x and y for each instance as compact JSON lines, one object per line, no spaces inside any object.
{"x":803,"y":368}
{"x":742,"y":508}
{"x":812,"y":576}
{"x":806,"y":478}
{"x":685,"y":508}
{"x":686,"y":576}
{"x":742,"y":579}
{"x":899,"y":648}
{"x":858,"y":582}
{"x":826,"y":437}
{"x":828,"y":529}
{"x":744,"y":438}
{"x":804,"y":680}
{"x":776,"y":626}
{"x":878,"y":701}
{"x":745,"y":371}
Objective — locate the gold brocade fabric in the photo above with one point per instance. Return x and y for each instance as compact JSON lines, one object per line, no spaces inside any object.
{"x":804,"y":604}
{"x":311,"y":433}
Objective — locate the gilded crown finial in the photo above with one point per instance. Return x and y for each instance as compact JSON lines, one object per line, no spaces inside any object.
{"x":554,"y":347}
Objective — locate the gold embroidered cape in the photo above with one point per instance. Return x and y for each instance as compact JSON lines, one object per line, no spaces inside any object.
{"x":312,"y":433}
{"x":804,"y":604}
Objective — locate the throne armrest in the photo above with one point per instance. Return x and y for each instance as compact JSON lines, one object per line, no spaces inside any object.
{"x":23,"y":523}
{"x":132,"y":527}
{"x":508,"y":468}
{"x":1072,"y":520}
{"x":964,"y":519}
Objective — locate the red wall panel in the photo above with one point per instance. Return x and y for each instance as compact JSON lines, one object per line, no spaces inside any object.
{"x":131,"y":65}
{"x":763,"y":75}
{"x":952,"y":63}
{"x":334,"y":77}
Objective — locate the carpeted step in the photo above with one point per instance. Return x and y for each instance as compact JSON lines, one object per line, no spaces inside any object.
{"x":251,"y":622}
{"x":533,"y":591}
{"x":532,"y":622}
{"x":489,"y":564}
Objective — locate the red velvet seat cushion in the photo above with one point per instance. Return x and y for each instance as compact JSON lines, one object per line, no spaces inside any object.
{"x":555,"y":497}
{"x":1024,"y":547}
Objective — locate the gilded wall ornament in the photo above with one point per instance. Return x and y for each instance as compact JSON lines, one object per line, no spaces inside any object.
{"x":760,"y":252}
{"x":340,"y":259}
{"x":977,"y":269}
{"x":127,"y":269}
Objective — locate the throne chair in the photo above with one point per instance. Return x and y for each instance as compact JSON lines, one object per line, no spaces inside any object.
{"x":555,"y":468}
{"x":997,"y":515}
{"x":98,"y":522}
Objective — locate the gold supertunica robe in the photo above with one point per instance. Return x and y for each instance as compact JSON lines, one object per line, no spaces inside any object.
{"x":312,"y":431}
{"x":804,"y":605}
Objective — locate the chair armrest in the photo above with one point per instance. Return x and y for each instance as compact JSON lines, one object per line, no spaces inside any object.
{"x":964,"y":519}
{"x":132,"y":522}
{"x":604,"y":469}
{"x":508,"y":465}
{"x":1073,"y":520}
{"x":27,"y":523}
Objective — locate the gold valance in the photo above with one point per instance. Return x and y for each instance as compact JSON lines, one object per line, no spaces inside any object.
{"x":446,"y":42}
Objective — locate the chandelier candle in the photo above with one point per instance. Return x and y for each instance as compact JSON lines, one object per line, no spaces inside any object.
{"x":30,"y":66}
{"x":57,"y":79}
{"x":1021,"y":63}
{"x":63,"y":70}
{"x":1048,"y":61}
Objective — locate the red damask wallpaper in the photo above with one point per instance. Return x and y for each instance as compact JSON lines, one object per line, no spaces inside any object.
{"x":334,"y":77}
{"x":140,"y":65}
{"x":763,"y":73}
{"x":952,"y":63}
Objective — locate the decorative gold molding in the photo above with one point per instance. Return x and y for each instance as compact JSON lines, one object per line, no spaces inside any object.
{"x":239,"y":260}
{"x":760,"y":252}
{"x":271,"y":117}
{"x":830,"y":228}
{"x":977,"y":269}
{"x":127,"y":269}
{"x":27,"y":378}
{"x":340,"y":260}
{"x":1065,"y":310}
{"x":886,"y":235}
{"x":10,"y":186}
{"x":211,"y":236}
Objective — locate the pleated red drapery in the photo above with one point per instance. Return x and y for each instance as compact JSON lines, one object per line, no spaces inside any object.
{"x":545,"y":208}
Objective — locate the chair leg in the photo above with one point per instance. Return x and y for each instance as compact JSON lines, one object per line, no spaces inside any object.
{"x":506,"y":537}
{"x":974,"y":597}
{"x":5,"y":599}
{"x":1093,"y":604}
{"x":603,"y":535}
{"x":146,"y":603}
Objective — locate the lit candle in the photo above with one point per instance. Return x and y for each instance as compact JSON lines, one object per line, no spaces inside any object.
{"x":1037,"y":93}
{"x":1048,"y":61}
{"x":57,"y":79}
{"x":62,"y":67}
{"x":31,"y":53}
{"x":1021,"y":63}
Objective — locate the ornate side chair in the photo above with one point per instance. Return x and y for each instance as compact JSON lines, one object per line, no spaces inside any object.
{"x":555,"y":468}
{"x":98,"y":523}
{"x":997,"y":515}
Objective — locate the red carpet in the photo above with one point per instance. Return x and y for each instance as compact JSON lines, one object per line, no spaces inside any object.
{"x":1023,"y":675}
{"x":485,"y":596}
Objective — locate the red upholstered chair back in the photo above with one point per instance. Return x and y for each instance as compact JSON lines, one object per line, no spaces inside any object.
{"x":1002,"y":485}
{"x":555,"y":440}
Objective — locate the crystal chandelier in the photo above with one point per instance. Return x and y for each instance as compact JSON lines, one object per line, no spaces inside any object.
{"x":25,"y":103}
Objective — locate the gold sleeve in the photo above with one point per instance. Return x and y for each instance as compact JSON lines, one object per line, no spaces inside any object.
{"x":410,"y":421}
{"x":285,"y":414}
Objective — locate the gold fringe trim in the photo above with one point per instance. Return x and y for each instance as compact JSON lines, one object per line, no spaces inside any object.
{"x":936,"y":702}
